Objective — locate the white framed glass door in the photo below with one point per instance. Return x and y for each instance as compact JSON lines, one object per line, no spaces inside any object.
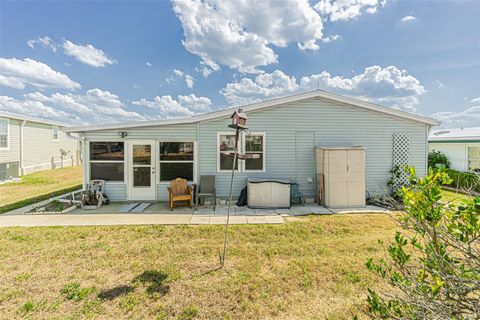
{"x":142,"y":173}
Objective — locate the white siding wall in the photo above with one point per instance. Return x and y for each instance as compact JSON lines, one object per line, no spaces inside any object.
{"x":39,"y":147}
{"x":455,"y":152}
{"x":13,"y":153}
{"x":327,"y":123}
{"x":333,"y":125}
{"x":118,"y":191}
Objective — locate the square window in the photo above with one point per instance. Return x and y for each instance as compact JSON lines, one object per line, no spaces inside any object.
{"x":113,"y":171}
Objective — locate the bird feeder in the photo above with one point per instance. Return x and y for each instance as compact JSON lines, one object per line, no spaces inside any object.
{"x":239,"y":120}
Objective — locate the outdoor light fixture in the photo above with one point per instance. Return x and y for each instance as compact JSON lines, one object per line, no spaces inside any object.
{"x":122,"y":134}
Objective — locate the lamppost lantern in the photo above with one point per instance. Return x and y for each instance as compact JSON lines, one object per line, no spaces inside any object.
{"x":239,"y":120}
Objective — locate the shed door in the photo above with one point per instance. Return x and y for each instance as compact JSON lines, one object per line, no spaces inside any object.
{"x":337,"y":178}
{"x":356,"y":178}
{"x":305,"y":161}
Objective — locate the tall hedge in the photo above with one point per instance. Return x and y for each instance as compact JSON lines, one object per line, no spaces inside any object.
{"x":464,"y":180}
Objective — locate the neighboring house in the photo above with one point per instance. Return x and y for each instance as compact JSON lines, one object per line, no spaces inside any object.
{"x":139,"y":159}
{"x":461,"y":146}
{"x":29,"y":144}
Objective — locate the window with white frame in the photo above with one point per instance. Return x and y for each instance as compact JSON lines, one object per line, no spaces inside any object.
{"x":55,"y":133}
{"x":253,"y":145}
{"x":176,"y":160}
{"x":474,"y":158}
{"x":107,"y":161}
{"x":226,"y":147}
{"x":4,"y":133}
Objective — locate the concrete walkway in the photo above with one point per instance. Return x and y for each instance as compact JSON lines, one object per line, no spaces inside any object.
{"x":159,"y":213}
{"x":98,"y":219}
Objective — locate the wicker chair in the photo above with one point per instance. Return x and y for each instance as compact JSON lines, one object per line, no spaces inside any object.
{"x":179,"y":190}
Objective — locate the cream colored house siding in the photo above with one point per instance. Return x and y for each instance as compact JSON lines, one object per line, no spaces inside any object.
{"x":42,"y":151}
{"x":456,"y":152}
{"x":12,"y":154}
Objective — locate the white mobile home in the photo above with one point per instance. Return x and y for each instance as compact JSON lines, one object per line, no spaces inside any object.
{"x":139,"y":159}
{"x":461,"y":146}
{"x":29,"y":144}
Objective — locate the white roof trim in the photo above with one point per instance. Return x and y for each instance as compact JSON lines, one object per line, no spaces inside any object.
{"x":263,"y":105}
{"x":17,"y":116}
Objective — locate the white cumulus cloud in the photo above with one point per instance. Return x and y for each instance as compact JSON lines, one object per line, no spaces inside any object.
{"x":331,"y":38}
{"x":387,"y":86}
{"x":87,"y":54}
{"x":408,"y":19}
{"x":94,"y":106}
{"x":179,"y":74}
{"x":44,"y":41}
{"x":338,"y":10}
{"x":189,"y":80}
{"x":18,"y":73}
{"x":233,"y":34}
{"x":168,"y":107}
{"x":467,"y":118}
{"x":475,"y":100}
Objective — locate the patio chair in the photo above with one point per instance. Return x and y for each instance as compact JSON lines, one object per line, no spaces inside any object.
{"x":295,"y":195}
{"x":206,"y":189}
{"x":179,"y":190}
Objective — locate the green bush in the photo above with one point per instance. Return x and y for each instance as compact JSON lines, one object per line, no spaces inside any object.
{"x":464,"y":180}
{"x":438,"y":158}
{"x":433,"y":262}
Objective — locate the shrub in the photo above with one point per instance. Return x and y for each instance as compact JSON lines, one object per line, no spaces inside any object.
{"x":464,"y":180}
{"x":438,"y":159}
{"x":433,"y":264}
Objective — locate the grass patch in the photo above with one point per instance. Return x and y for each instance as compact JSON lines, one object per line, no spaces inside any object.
{"x":39,"y":186}
{"x":313,"y":267}
{"x":74,"y":292}
{"x":457,"y":198}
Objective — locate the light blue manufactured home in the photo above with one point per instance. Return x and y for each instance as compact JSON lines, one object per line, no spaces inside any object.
{"x":139,"y":159}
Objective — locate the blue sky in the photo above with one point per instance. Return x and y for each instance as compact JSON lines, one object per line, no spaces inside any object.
{"x":114,"y":61}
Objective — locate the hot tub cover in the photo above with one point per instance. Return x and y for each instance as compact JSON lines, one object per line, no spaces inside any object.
{"x":260,"y":180}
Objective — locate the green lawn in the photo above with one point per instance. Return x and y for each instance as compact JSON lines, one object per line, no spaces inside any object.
{"x":39,"y":186}
{"x":449,"y":196}
{"x":309,"y":268}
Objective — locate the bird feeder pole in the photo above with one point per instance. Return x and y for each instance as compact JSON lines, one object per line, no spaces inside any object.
{"x":239,"y":121}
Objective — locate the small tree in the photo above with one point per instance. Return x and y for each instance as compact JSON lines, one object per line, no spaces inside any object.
{"x":433,"y":265}
{"x":438,"y":158}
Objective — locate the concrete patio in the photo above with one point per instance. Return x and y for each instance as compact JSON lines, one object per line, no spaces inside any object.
{"x":160,"y":213}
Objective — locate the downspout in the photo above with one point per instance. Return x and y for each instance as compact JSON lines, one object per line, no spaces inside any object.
{"x":22,"y":154}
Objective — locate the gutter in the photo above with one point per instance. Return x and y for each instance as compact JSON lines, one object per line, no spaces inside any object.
{"x":69,"y":135}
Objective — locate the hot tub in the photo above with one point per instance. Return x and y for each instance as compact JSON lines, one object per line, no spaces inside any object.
{"x":268,"y":193}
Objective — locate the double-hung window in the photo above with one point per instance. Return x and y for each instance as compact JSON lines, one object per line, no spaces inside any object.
{"x":55,"y":133}
{"x":4,"y":134}
{"x":252,"y":145}
{"x":474,"y":158}
{"x":107,"y":161}
{"x":176,"y":160}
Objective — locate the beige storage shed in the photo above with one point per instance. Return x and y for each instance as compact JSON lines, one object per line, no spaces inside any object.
{"x":341,"y":176}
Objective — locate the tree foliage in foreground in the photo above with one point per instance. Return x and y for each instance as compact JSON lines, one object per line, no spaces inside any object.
{"x":433,"y":264}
